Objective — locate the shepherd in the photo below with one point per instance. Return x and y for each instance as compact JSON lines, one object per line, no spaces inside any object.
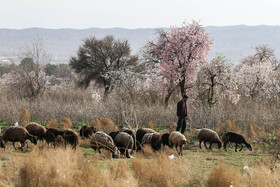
{"x":182,"y":114}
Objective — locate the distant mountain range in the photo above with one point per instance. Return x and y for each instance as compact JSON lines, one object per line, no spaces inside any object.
{"x":232,"y":41}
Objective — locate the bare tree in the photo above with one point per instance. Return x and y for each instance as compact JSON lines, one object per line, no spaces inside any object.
{"x":28,"y":78}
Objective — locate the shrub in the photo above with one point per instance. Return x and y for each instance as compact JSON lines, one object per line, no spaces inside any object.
{"x":222,"y":176}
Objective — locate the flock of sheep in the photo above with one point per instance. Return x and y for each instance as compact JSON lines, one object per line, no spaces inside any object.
{"x":122,"y":142}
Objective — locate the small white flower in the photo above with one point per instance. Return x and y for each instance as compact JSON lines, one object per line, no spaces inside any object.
{"x":57,"y":171}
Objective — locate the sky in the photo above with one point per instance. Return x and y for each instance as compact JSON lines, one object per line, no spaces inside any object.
{"x":132,"y":14}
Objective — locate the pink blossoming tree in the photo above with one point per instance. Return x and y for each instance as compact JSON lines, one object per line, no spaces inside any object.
{"x":179,"y":52}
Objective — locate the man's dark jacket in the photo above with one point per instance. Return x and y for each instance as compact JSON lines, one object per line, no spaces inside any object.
{"x":180,"y":109}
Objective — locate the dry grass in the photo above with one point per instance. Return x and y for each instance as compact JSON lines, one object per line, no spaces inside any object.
{"x":255,"y":132}
{"x":228,"y":125}
{"x":66,"y":122}
{"x":161,"y":171}
{"x":107,"y":125}
{"x":96,"y":123}
{"x":150,"y":125}
{"x":262,"y":175}
{"x":53,"y":123}
{"x":25,"y":116}
{"x":84,"y":167}
{"x":223,"y":176}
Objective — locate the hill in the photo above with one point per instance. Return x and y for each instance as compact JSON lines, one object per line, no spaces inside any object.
{"x":232,"y":41}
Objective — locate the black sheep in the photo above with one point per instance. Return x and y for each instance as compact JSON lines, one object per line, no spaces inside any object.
{"x":114,"y":134}
{"x":164,"y":139}
{"x":235,"y":138}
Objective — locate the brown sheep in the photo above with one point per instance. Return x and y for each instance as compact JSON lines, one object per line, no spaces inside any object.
{"x":137,"y":145}
{"x":17,"y":134}
{"x":37,"y":130}
{"x":147,"y":138}
{"x":156,"y":141}
{"x":102,"y":140}
{"x":208,"y":135}
{"x":237,"y":139}
{"x":87,"y":132}
{"x":71,"y":137}
{"x":51,"y":134}
{"x":59,"y":141}
{"x":125,"y":143}
{"x":178,"y":139}
{"x":141,"y":132}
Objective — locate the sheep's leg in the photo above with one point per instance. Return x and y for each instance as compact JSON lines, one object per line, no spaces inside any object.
{"x":181,"y":150}
{"x":210,"y":147}
{"x":200,"y":144}
{"x":14,"y":145}
{"x":176,"y":147}
{"x":225,"y":146}
{"x":205,"y":145}
{"x":236,"y":147}
{"x":22,"y":145}
{"x":241,"y":148}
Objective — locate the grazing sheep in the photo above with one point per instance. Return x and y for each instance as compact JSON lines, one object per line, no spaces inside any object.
{"x":71,"y":137}
{"x":156,"y":141}
{"x":51,"y":134}
{"x":141,"y":132}
{"x":17,"y":134}
{"x":164,"y":139}
{"x":102,"y":140}
{"x":114,"y":134}
{"x":235,"y":138}
{"x":125,"y":143}
{"x":147,"y":138}
{"x":137,"y":145}
{"x":208,"y":135}
{"x":178,"y":139}
{"x":87,"y":132}
{"x":59,"y":141}
{"x":37,"y":130}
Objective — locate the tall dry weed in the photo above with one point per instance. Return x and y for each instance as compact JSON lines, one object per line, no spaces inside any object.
{"x":53,"y":123}
{"x":223,"y":176}
{"x":96,"y":123}
{"x":25,"y":116}
{"x":60,"y":167}
{"x":107,"y":125}
{"x":255,"y":132}
{"x":66,"y":122}
{"x":161,"y":171}
{"x":228,"y":125}
{"x":262,"y":175}
{"x":150,"y":125}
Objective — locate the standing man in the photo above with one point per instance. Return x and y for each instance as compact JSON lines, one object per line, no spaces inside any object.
{"x":182,"y":114}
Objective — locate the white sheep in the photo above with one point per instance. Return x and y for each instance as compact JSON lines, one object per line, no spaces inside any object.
{"x":208,"y":135}
{"x":178,"y":139}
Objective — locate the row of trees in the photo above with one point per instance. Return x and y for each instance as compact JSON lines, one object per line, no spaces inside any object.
{"x":176,"y":61}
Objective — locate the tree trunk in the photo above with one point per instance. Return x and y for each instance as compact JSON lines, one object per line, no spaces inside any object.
{"x":182,"y":87}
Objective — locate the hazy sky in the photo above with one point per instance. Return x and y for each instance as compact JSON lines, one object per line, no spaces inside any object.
{"x":135,"y":14}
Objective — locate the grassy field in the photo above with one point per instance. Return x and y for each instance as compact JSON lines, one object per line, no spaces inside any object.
{"x":195,"y":168}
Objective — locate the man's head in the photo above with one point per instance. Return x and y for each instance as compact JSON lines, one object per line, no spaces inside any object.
{"x":185,"y":97}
